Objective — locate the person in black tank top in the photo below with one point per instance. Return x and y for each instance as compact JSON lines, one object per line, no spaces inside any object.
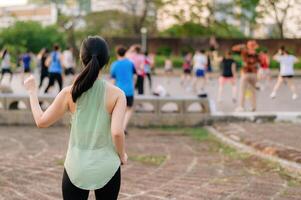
{"x":228,"y":75}
{"x":44,"y":69}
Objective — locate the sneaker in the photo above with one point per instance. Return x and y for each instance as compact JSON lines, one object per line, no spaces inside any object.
{"x":202,"y":95}
{"x":273,"y":95}
{"x":295,"y":96}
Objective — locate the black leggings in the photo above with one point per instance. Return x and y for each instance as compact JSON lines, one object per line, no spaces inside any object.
{"x":140,"y":84}
{"x":54,"y":77}
{"x":108,"y":192}
{"x":42,"y":77}
{"x":149,"y":77}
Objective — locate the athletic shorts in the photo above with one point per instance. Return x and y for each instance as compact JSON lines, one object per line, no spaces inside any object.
{"x":69,"y":71}
{"x":187,"y":71}
{"x":223,"y":80}
{"x":200,"y":73}
{"x":4,"y":71}
{"x":287,"y":76}
{"x":129,"y":101}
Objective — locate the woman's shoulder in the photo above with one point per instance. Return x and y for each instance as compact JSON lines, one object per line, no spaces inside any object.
{"x":67,"y":90}
{"x":113,"y":95}
{"x":113,"y":90}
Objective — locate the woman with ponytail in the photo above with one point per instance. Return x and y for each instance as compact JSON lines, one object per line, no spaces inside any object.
{"x":96,"y":146}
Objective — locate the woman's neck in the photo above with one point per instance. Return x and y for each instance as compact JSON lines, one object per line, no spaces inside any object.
{"x":99,"y":75}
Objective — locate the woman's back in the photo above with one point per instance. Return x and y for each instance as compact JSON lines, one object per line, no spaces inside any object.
{"x":96,"y":145}
{"x":90,"y":146}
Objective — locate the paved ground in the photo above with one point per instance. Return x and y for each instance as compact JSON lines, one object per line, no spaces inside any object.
{"x":165,"y":164}
{"x":283,"y":102}
{"x":281,"y":139}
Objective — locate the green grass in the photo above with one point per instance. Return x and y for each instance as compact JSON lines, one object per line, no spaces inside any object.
{"x":155,"y":160}
{"x":60,"y":162}
{"x":202,"y":135}
{"x":253,"y":164}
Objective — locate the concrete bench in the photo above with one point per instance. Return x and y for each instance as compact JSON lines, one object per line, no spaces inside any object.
{"x":149,"y":110}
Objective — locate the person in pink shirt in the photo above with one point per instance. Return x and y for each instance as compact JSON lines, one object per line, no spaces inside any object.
{"x":135,"y":55}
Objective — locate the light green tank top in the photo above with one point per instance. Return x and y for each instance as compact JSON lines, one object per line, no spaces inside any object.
{"x":91,"y":159}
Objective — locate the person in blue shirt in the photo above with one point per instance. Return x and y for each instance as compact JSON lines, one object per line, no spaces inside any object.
{"x":54,"y":63}
{"x":122,"y":73}
{"x":26,"y":60}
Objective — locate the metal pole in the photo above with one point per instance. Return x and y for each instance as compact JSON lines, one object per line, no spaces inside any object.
{"x":144,"y":39}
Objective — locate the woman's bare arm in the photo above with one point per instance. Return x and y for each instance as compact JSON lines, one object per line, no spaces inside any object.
{"x":53,"y":113}
{"x":233,"y":69}
{"x":117,"y":129}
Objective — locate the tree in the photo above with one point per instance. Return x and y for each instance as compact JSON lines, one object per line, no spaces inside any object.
{"x":66,"y":23}
{"x":202,"y":18}
{"x":108,"y":23}
{"x":190,"y":29}
{"x":143,"y":12}
{"x":279,"y":10}
{"x":30,"y":36}
{"x":246,"y":13}
{"x":194,"y":11}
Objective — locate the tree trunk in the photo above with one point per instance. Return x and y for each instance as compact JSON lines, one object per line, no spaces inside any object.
{"x":281,"y":31}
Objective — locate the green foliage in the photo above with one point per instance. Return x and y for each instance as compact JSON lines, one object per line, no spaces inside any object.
{"x":190,"y":29}
{"x":176,"y":61}
{"x":30,"y":36}
{"x":298,"y":65}
{"x":224,"y":30}
{"x":274,"y":64}
{"x":238,"y":60}
{"x":185,"y":49}
{"x":159,"y":60}
{"x":164,"y":51}
{"x":108,"y":23}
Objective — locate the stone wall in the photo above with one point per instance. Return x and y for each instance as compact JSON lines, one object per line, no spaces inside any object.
{"x":149,"y":110}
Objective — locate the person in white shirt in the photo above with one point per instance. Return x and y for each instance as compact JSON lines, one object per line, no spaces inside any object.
{"x":286,"y":74}
{"x":199,"y":67}
{"x":6,"y":65}
{"x":69,"y":64}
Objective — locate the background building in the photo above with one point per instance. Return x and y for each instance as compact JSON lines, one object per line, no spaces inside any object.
{"x":45,"y":14}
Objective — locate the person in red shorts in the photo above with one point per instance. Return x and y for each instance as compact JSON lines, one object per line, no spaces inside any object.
{"x":187,"y":68}
{"x":264,"y":70}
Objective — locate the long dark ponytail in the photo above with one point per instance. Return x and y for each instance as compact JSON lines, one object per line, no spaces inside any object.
{"x":94,"y":54}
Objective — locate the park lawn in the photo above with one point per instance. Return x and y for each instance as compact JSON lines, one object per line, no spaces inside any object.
{"x":255,"y":165}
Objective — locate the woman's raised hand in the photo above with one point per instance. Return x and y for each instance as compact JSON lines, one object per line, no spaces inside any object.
{"x":30,"y":85}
